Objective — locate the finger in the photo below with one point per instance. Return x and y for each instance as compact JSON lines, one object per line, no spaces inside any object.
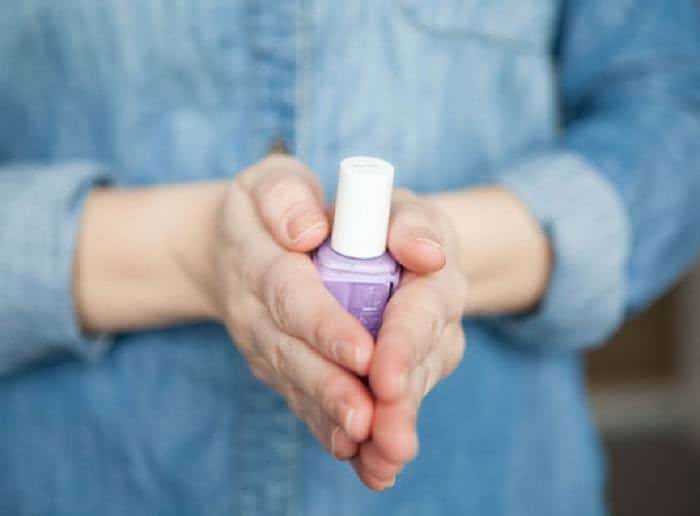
{"x":394,"y":437}
{"x":415,"y":234}
{"x":368,"y":479}
{"x":370,"y":460}
{"x":289,"y":200}
{"x":331,"y":436}
{"x":394,"y":430}
{"x":340,"y":394}
{"x":301,"y":306}
{"x":413,"y":323}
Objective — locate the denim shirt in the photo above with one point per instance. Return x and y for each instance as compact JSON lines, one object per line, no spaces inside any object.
{"x":588,"y":110}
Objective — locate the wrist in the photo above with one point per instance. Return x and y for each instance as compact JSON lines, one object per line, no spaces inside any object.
{"x":192,"y":237}
{"x":505,"y":254}
{"x":144,"y":257}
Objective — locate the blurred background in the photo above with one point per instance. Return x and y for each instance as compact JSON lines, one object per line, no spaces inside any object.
{"x":645,"y":393}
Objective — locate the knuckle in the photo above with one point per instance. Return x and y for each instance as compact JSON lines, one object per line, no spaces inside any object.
{"x":278,"y":357}
{"x":325,"y":392}
{"x":281,"y":302}
{"x":271,"y":185}
{"x":322,"y":331}
{"x":278,"y":288}
{"x":275,"y":360}
{"x":283,"y":191}
{"x":331,"y":393}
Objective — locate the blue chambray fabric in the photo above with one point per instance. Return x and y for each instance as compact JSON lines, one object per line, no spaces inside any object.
{"x":589,"y":111}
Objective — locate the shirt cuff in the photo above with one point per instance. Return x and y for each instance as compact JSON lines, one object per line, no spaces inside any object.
{"x":40,"y":209}
{"x":587,"y":226}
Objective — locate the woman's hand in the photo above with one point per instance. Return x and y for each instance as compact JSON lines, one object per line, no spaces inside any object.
{"x":294,"y":335}
{"x":421,"y":340}
{"x":234,"y":252}
{"x":497,"y":260}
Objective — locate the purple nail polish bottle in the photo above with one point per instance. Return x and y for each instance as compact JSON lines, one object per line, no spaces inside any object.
{"x":354,"y":264}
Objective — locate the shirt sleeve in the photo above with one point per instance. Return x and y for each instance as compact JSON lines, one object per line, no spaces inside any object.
{"x":618,"y":193}
{"x":40,"y":207}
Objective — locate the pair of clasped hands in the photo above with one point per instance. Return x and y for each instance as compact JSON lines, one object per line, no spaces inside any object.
{"x":301,"y":342}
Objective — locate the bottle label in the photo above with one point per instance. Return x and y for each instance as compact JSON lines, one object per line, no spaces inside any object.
{"x":365,"y":301}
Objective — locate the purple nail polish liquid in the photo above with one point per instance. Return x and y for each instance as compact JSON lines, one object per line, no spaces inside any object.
{"x":354,"y":264}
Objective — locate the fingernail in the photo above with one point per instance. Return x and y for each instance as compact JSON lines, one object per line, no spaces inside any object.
{"x":304,"y":224}
{"x":348,"y":421}
{"x":387,"y":484}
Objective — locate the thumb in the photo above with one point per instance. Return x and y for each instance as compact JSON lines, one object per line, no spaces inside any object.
{"x":288,"y":199}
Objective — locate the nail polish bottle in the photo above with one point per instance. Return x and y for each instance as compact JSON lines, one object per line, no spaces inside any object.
{"x":354,"y":263}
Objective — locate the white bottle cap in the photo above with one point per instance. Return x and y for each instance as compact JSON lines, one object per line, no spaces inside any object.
{"x":362,"y":206}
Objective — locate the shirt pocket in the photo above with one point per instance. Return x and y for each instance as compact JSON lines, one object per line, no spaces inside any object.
{"x":524,"y":25}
